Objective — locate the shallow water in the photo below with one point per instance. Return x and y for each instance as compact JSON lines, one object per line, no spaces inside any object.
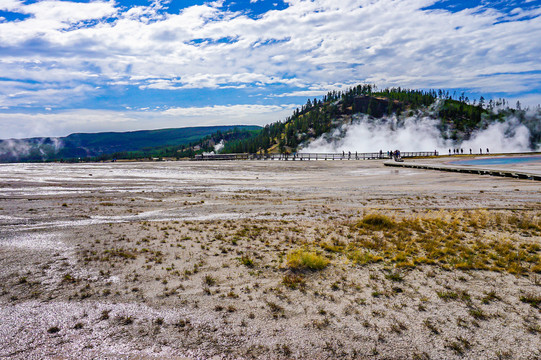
{"x":500,"y":161}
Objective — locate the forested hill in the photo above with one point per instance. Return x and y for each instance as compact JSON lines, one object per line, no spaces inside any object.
{"x":457,"y":116}
{"x":177,"y":143}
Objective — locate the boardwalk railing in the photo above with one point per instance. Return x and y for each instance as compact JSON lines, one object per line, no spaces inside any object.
{"x":313,"y":156}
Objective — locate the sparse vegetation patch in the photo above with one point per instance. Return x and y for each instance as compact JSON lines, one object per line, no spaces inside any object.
{"x":301,"y":260}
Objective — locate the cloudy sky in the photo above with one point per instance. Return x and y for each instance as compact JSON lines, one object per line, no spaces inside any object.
{"x":87,"y":66}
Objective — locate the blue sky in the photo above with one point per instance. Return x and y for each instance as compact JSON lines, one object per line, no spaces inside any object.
{"x":88,"y":66}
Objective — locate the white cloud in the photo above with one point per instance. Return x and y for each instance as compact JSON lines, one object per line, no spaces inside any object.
{"x":228,"y":111}
{"x":23,"y":125}
{"x":48,"y":19}
{"x":313,"y":40}
{"x":28,"y":94}
{"x":304,"y":93}
{"x":317,"y":90}
{"x":311,"y":47}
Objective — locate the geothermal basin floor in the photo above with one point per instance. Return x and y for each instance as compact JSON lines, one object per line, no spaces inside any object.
{"x":267,"y":260}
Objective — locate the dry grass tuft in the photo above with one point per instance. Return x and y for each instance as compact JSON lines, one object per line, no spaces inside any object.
{"x":294,"y":281}
{"x":302,"y":260}
{"x":449,"y":239}
{"x":376,"y":222}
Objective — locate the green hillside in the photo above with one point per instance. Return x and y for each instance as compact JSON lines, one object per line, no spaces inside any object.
{"x":177,"y":142}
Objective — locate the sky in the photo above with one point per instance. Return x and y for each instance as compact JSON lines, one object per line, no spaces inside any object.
{"x":90,"y":66}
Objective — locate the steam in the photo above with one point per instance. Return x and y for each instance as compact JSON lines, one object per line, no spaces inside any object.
{"x":15,"y":149}
{"x":418,"y":133}
{"x":217,"y":148}
{"x":57,"y":144}
{"x":509,"y":136}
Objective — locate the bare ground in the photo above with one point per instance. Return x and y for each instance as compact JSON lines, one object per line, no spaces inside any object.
{"x":195,"y":261}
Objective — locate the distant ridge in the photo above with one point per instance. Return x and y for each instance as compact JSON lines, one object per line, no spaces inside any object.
{"x":96,"y":146}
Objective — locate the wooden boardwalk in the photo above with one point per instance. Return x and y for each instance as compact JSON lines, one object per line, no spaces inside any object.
{"x":312,"y":156}
{"x":469,"y":170}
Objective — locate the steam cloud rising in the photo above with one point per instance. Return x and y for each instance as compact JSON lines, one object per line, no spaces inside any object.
{"x":419,"y":134}
{"x":15,"y":149}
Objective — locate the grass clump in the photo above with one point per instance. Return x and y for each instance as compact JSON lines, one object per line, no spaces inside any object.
{"x":332,"y":248}
{"x":275,"y":308}
{"x":300,"y":260}
{"x":247,"y":261}
{"x":524,"y":222}
{"x":125,"y":320}
{"x":293,"y":281}
{"x":460,"y":346}
{"x":209,"y":280}
{"x":53,"y":330}
{"x":478,"y":314}
{"x":68,"y":278}
{"x":431,"y":326}
{"x":376,"y":222}
{"x":121,"y":253}
{"x":364,"y":257}
{"x":489,"y":297}
{"x":395,"y":276}
{"x":532,"y":299}
{"x":447,"y":295}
